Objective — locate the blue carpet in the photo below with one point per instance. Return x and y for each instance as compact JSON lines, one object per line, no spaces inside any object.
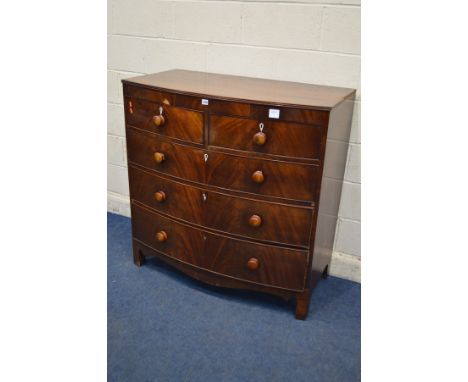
{"x":164,"y":326}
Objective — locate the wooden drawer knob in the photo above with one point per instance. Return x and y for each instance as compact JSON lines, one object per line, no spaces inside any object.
{"x":161,"y":236}
{"x":258,"y":177}
{"x":253,"y":264}
{"x":159,"y":157}
{"x":159,"y":120}
{"x":160,"y":196}
{"x":259,"y":138}
{"x":255,"y":221}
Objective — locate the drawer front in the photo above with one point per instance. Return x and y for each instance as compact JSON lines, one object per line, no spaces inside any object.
{"x":263,"y":177}
{"x":266,"y":221}
{"x":279,"y":138}
{"x":165,"y":157}
{"x":135,"y":92}
{"x":170,"y":121}
{"x":181,"y":242}
{"x":213,"y":105}
{"x":167,"y":196}
{"x":257,"y":263}
{"x":271,"y":222}
{"x":290,"y":114}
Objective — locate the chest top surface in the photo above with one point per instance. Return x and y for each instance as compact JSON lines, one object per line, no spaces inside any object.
{"x":237,"y":88}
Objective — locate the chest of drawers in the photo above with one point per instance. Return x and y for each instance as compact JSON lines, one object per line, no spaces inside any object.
{"x":236,"y":181}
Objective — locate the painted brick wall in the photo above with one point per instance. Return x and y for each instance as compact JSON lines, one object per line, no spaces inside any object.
{"x":308,"y":41}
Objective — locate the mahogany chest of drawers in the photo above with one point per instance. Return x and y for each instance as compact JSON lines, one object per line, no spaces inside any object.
{"x":236,"y":181}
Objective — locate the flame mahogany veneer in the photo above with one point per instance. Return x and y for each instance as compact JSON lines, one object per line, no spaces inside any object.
{"x":236,"y":181}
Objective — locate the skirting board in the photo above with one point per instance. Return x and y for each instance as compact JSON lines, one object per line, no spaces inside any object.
{"x":118,"y":204}
{"x":342,"y":265}
{"x":346,"y":266}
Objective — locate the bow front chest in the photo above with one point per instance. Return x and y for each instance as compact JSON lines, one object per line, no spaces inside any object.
{"x":236,"y":181}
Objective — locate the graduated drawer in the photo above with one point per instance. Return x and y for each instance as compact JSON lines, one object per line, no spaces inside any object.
{"x":259,"y":176}
{"x":243,"y":260}
{"x":278,"y":138}
{"x":260,"y":220}
{"x":174,"y":122}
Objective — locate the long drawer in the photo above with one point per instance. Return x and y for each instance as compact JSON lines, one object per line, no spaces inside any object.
{"x":258,"y":176}
{"x":274,"y":222}
{"x":243,"y":260}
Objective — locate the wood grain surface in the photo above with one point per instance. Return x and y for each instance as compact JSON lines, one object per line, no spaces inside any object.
{"x":280,"y":223}
{"x":280,"y":267}
{"x":236,"y":181}
{"x":245,"y":88}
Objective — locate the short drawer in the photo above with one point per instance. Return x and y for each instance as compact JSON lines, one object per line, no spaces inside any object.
{"x":278,"y":138}
{"x":244,"y":260}
{"x":174,"y":122}
{"x":166,"y":157}
{"x":272,"y":222}
{"x":136,"y":92}
{"x":213,"y":105}
{"x":263,"y":176}
{"x":290,"y":114}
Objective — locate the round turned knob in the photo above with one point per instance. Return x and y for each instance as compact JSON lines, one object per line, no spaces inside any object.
{"x":161,"y":236}
{"x":160,"y":196}
{"x":258,"y":177}
{"x":253,"y":263}
{"x":259,"y":138}
{"x":255,"y":221}
{"x":159,"y":157}
{"x":159,"y":120}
